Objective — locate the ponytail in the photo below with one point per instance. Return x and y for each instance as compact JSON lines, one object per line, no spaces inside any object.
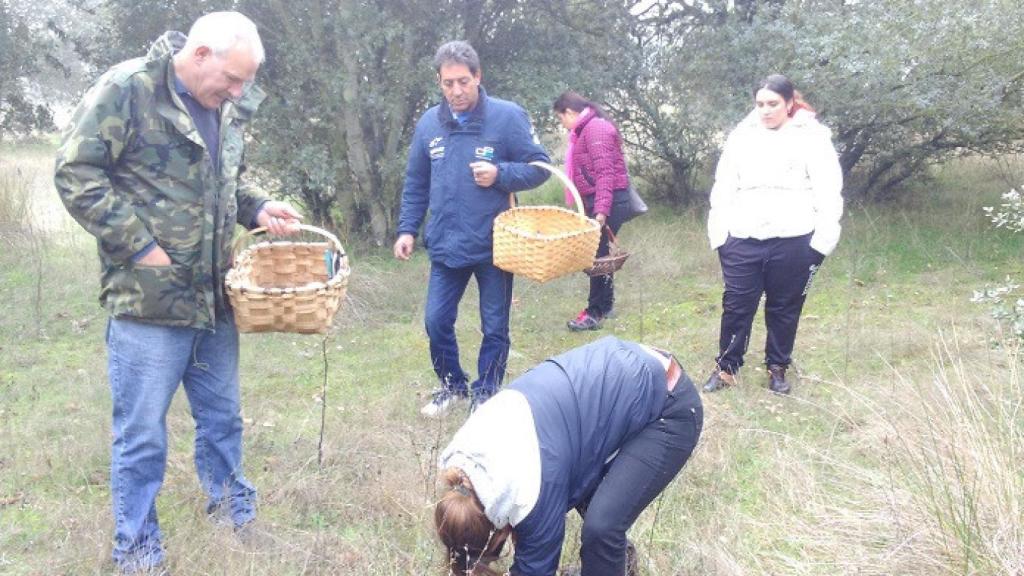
{"x":471,"y":539}
{"x":800,"y":104}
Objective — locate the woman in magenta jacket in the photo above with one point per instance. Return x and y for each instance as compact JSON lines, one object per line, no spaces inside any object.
{"x":597,"y":166}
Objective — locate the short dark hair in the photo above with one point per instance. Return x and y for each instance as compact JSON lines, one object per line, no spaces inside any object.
{"x":457,"y":52}
{"x":779,"y":84}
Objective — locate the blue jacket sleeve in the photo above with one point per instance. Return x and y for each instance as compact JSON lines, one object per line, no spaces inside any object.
{"x":514,"y":173}
{"x":538,"y":555}
{"x":416,"y":191}
{"x":539,"y":536}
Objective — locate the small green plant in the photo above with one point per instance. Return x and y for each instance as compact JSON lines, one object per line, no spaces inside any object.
{"x":1004,"y":307}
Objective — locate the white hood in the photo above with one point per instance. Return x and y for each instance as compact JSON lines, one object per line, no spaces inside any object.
{"x":498,"y":449}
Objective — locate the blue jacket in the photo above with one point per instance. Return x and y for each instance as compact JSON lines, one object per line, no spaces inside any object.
{"x":586,"y":404}
{"x":438,"y":177}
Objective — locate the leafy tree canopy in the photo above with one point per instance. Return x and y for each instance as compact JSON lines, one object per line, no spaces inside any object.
{"x":902,"y":84}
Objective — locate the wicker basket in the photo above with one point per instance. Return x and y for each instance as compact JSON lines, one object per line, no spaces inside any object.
{"x":607,"y":265}
{"x":545,"y":242}
{"x":283,"y":286}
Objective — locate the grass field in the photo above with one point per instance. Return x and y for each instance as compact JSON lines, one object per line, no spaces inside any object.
{"x":899,"y":452}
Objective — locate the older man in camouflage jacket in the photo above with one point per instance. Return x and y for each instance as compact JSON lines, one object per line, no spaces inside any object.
{"x":151,"y":166}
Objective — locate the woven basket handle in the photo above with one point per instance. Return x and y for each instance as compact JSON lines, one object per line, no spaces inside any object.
{"x":306,"y":227}
{"x":612,"y":240}
{"x":561,"y":176}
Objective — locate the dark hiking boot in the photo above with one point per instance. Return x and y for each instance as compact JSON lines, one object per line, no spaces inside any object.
{"x":777,"y":379}
{"x":632,"y":566}
{"x":719,"y":379}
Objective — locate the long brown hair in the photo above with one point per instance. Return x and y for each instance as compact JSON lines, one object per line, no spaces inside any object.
{"x":470,"y":538}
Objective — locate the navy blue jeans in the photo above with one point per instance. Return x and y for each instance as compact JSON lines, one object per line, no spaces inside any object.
{"x":644,"y":466}
{"x":444,"y":292}
{"x":146,"y":364}
{"x":780,"y":268}
{"x":601,"y":298}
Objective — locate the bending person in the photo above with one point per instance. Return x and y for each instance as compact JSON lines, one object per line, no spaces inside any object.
{"x":602,"y":428}
{"x":775,"y":210}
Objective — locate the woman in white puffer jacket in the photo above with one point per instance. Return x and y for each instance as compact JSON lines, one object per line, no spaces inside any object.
{"x":775,"y":210}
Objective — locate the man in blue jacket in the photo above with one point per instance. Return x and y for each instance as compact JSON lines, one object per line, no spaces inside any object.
{"x":467,"y":155}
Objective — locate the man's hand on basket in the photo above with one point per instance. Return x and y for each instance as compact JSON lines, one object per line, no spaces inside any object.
{"x":278,"y":218}
{"x":404,"y":246}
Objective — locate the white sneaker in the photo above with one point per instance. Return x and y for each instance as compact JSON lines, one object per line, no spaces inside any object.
{"x":441,"y":402}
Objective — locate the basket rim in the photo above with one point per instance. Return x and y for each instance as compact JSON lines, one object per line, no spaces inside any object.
{"x":612,"y":258}
{"x":591,"y":225}
{"x":339,"y":280}
{"x":610,"y":263}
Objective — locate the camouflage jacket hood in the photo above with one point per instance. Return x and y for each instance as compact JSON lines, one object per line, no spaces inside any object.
{"x":132,"y":169}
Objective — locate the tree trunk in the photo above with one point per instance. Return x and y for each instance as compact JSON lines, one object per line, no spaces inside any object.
{"x":358,"y":145}
{"x":682,"y":172}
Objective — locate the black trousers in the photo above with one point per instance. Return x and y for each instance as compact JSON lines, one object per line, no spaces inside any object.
{"x":601,"y":299}
{"x":643,"y":468}
{"x":780,"y":268}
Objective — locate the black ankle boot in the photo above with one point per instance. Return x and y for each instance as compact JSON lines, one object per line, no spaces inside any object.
{"x":632,"y":567}
{"x":777,"y":379}
{"x":719,"y":379}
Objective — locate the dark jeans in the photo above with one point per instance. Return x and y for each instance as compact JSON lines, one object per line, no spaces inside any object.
{"x":445,"y":290}
{"x":780,"y":268}
{"x":642,"y":469}
{"x":602,"y":288}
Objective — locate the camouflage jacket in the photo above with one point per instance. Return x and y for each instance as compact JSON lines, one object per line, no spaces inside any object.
{"x":133,"y":169}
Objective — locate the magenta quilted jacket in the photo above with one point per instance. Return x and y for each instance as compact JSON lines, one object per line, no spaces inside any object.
{"x":598,"y":165}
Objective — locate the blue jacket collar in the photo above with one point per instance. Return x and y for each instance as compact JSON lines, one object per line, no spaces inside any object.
{"x":476,"y":116}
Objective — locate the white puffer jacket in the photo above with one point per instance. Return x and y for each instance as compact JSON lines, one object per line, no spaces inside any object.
{"x":778,"y":184}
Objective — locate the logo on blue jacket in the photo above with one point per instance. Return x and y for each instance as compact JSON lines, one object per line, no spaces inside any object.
{"x":436,"y":147}
{"x":485,"y":153}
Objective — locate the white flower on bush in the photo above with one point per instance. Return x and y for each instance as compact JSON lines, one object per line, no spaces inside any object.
{"x":1010,"y":214}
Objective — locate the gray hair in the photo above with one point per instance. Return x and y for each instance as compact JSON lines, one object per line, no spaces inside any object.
{"x":222,"y":31}
{"x":457,"y":52}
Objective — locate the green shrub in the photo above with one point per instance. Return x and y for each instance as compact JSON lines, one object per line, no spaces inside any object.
{"x":1008,"y":310}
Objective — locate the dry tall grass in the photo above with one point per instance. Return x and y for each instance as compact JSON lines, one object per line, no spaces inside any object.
{"x":958,"y":445}
{"x":15,"y":200}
